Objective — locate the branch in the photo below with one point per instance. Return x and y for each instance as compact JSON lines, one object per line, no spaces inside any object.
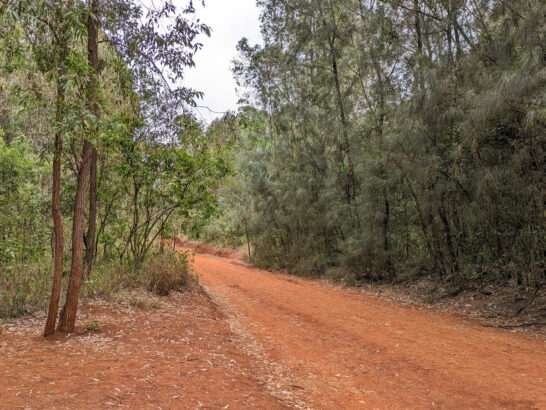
{"x":146,"y":56}
{"x":207,"y":108}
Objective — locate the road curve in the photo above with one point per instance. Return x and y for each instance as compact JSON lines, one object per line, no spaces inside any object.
{"x":349,"y":350}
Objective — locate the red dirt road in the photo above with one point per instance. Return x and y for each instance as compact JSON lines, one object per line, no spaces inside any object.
{"x":340,"y":349}
{"x":180,"y":355}
{"x":264,"y":340}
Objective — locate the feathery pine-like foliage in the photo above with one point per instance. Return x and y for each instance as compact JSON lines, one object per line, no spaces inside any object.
{"x":393,"y":138}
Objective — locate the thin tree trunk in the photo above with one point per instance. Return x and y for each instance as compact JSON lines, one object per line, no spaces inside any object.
{"x":92,"y":224}
{"x":247,"y":238}
{"x":68,"y":314}
{"x":380,"y":124}
{"x":423,"y":224}
{"x":418,"y":26}
{"x":57,"y":219}
{"x":351,"y":191}
{"x":449,"y":238}
{"x":93,"y":61}
{"x":386,"y":217}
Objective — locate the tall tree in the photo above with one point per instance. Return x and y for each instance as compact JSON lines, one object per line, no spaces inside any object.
{"x":62,"y":42}
{"x":67,"y":319}
{"x":155,"y":58}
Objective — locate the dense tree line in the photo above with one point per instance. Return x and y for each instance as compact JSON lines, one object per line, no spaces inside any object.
{"x":381,"y":140}
{"x":392,"y":138}
{"x":100,"y":156}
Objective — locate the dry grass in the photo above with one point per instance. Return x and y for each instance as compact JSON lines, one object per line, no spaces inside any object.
{"x":25,"y":290}
{"x":143,"y":302}
{"x":169,"y":271}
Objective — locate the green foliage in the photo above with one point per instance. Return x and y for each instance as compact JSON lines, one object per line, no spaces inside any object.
{"x":92,"y":326}
{"x":392,"y":139}
{"x":22,"y":207}
{"x":24,"y":288}
{"x":155,"y":170}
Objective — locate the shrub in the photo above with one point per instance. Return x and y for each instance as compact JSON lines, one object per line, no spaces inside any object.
{"x":160,"y":273}
{"x":23,"y":289}
{"x":26,"y":289}
{"x":169,"y":271}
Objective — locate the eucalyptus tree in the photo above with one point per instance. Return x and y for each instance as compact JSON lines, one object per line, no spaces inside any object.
{"x":156,"y":57}
{"x":51,"y":31}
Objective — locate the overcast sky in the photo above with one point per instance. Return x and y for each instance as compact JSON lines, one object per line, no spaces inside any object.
{"x":230,"y":20}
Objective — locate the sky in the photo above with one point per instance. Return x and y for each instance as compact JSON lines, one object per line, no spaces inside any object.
{"x":230,"y":20}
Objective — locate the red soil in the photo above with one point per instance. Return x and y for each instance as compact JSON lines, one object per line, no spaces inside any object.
{"x":268,"y":341}
{"x":348,"y":350}
{"x":183,"y":355}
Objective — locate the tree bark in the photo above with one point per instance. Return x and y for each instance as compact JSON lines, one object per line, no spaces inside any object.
{"x":417,"y":18}
{"x":68,"y":314}
{"x":92,"y":103}
{"x":386,"y":217}
{"x":448,"y":236}
{"x":92,"y":224}
{"x":57,"y":219}
{"x":247,"y":238}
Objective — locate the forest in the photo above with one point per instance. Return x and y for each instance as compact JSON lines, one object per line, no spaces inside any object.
{"x":99,"y":154}
{"x":391,"y":140}
{"x":377,"y":141}
{"x":364,"y":227}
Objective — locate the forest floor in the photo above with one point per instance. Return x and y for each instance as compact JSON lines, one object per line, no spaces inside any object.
{"x":267,"y":340}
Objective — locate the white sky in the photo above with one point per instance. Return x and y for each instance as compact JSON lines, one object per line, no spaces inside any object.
{"x":230,"y":20}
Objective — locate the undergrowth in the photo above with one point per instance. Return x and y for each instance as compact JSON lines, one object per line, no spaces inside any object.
{"x":23,"y":289}
{"x":26,"y":289}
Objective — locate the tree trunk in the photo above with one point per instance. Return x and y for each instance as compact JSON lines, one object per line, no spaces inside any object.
{"x":351,"y":185}
{"x":386,"y":217}
{"x":92,"y":103}
{"x":449,"y":238}
{"x":92,"y":225}
{"x":247,"y":238}
{"x":57,"y":219}
{"x":418,"y":26}
{"x":68,"y":314}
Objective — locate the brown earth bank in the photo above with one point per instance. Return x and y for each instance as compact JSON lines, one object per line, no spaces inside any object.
{"x":181,"y":353}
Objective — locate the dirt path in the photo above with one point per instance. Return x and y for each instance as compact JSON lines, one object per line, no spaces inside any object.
{"x":264,"y":340}
{"x":181,"y":354}
{"x":339,"y":349}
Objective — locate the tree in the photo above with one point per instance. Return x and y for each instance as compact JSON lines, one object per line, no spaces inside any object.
{"x":87,"y":169}
{"x":144,"y":49}
{"x":395,"y":135}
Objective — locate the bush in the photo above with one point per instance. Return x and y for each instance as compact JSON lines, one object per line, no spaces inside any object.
{"x":169,"y":271}
{"x":23,"y":289}
{"x":26,"y":289}
{"x":160,"y":274}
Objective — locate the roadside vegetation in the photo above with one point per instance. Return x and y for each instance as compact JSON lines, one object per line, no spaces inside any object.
{"x":387,"y":141}
{"x":26,"y":289}
{"x":100,"y":158}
